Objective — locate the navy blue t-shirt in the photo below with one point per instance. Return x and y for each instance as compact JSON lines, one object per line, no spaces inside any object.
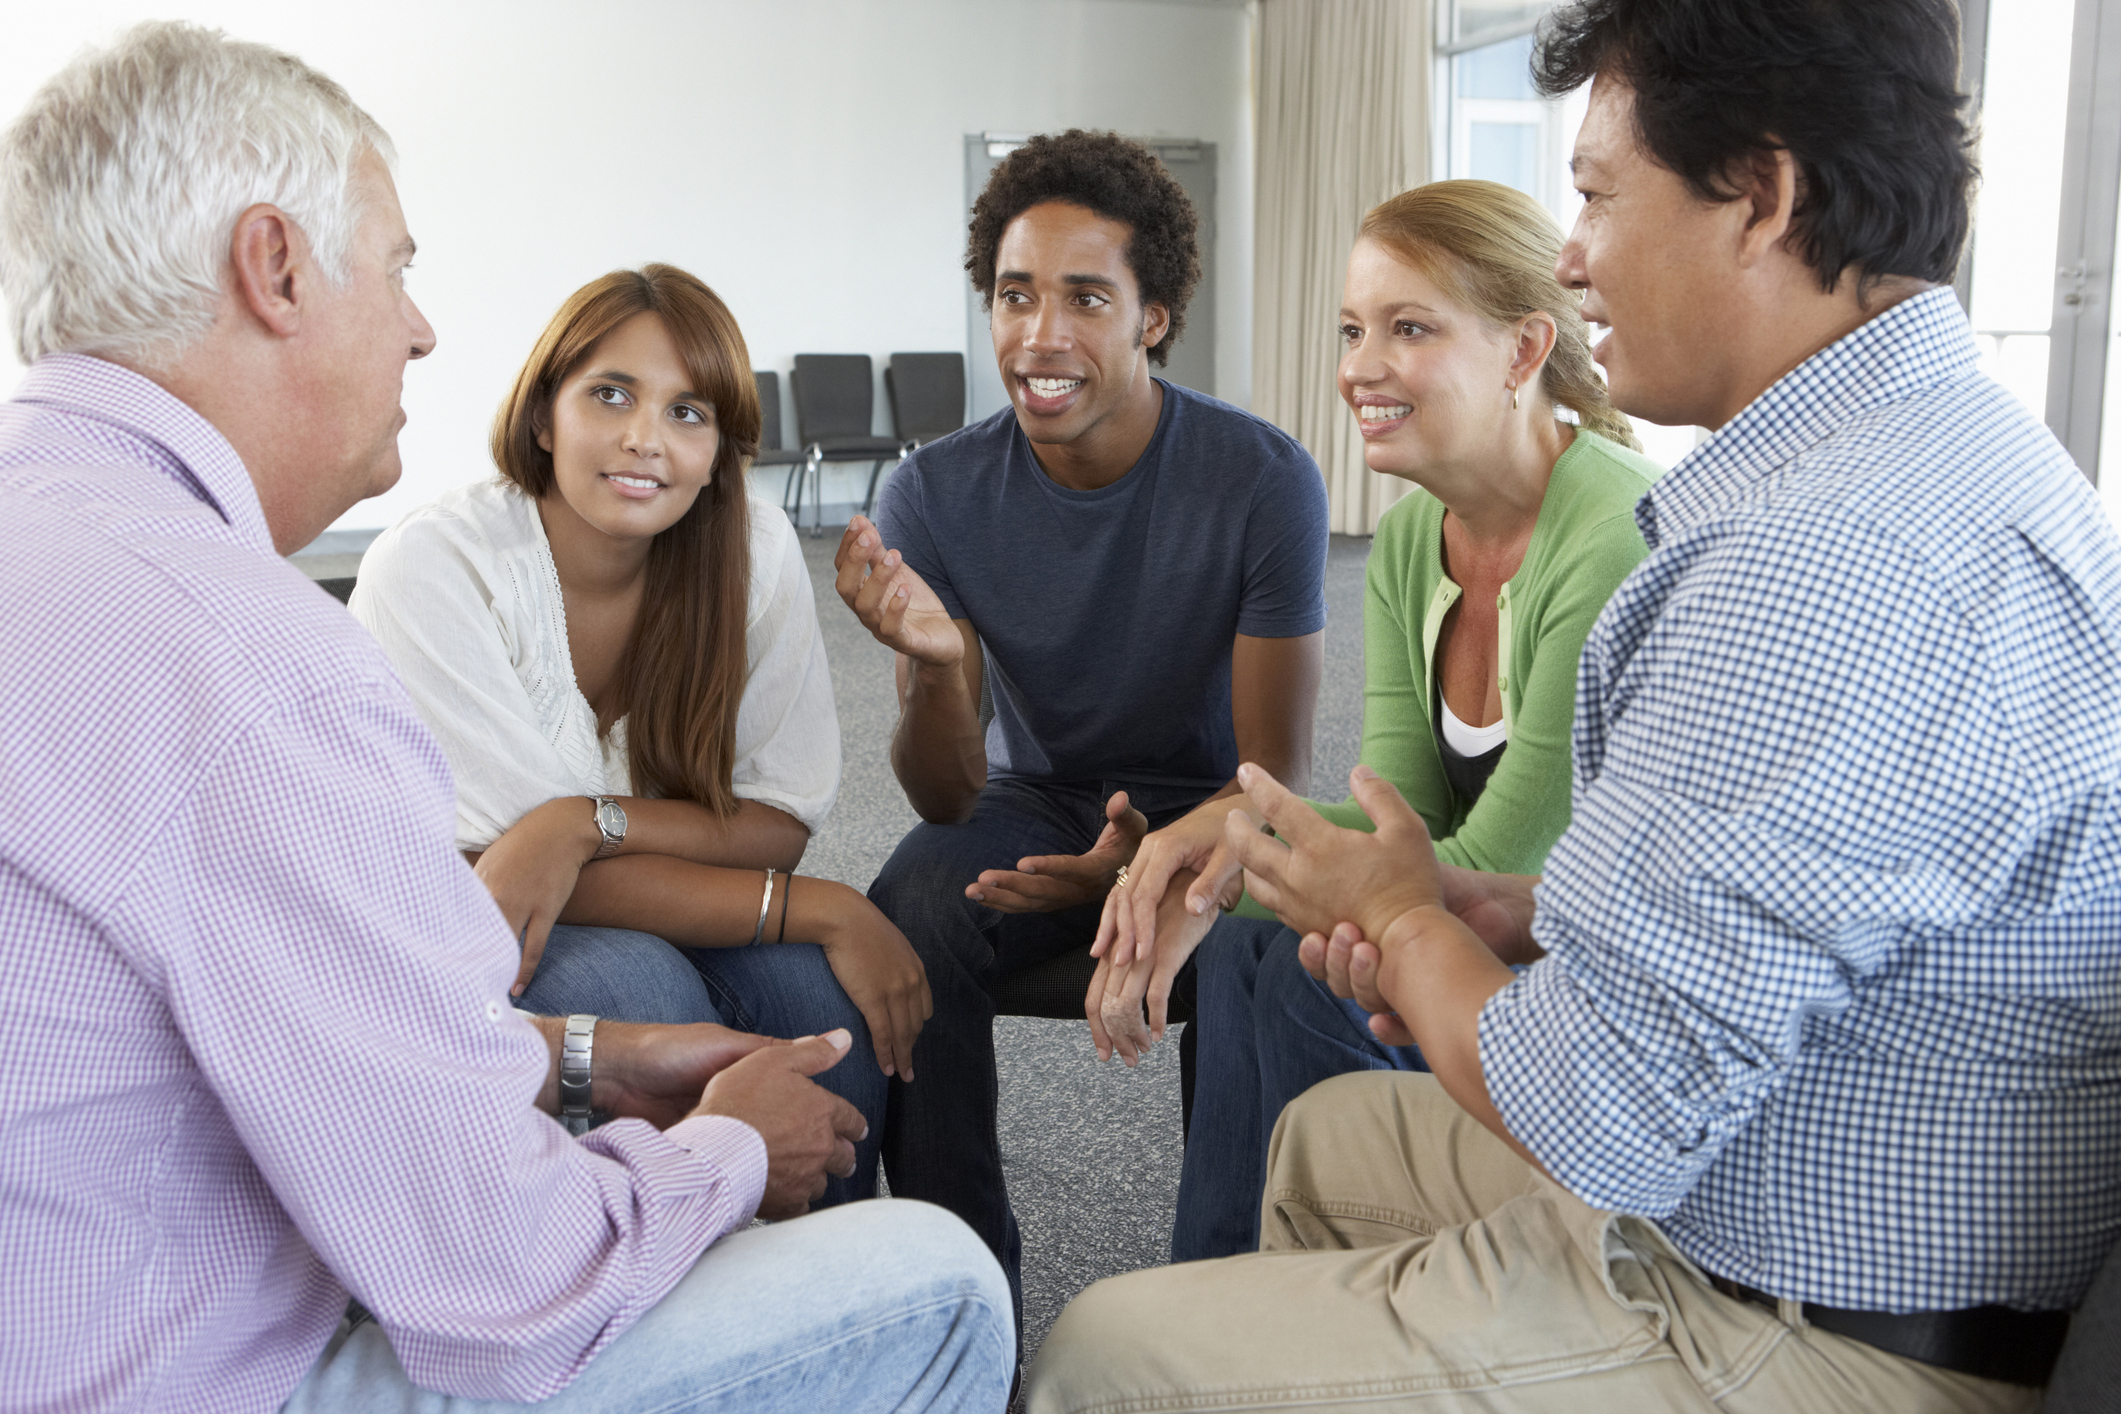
{"x":1106,"y":616}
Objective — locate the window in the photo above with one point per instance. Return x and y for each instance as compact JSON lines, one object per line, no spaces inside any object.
{"x":2025,"y":101}
{"x":1491,"y":123}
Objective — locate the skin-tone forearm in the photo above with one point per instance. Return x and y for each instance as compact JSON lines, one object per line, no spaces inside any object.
{"x":757,"y":836}
{"x":701,"y":905}
{"x":1437,"y":975}
{"x":938,"y":752}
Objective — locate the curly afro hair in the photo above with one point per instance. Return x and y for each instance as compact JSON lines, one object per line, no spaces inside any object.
{"x":1121,"y":181}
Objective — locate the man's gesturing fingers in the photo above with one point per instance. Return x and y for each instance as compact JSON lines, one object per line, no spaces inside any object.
{"x":1320,"y":874}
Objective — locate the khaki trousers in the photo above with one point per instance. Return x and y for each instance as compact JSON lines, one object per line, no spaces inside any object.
{"x":1410,"y":1260}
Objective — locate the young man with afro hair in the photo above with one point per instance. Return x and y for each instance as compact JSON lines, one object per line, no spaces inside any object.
{"x":1042,"y":553}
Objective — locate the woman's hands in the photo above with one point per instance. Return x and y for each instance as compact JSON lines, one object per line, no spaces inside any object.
{"x":1193,"y":845}
{"x":874,"y":963}
{"x":1118,"y":992}
{"x":1042,"y":883}
{"x":531,"y":872}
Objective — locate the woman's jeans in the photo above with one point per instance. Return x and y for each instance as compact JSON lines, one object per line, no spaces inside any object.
{"x":780,"y":989}
{"x":1268,"y":1032}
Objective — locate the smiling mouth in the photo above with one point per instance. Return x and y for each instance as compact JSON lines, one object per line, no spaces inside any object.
{"x":636,"y":483}
{"x":1052,"y":387}
{"x":1369,"y":413}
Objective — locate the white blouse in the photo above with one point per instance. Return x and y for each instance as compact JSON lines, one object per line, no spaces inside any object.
{"x":464,"y":598}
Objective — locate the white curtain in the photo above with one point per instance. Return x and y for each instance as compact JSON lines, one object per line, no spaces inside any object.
{"x":1343,"y":124}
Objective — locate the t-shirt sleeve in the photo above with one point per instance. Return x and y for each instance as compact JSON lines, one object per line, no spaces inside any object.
{"x":430,"y":596}
{"x":787,"y":730}
{"x":1284,"y":592}
{"x":902,"y":519}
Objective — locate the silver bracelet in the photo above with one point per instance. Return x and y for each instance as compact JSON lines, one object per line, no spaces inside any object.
{"x":758,"y":934}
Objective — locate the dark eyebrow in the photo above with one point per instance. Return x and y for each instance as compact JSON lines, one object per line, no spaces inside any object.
{"x":612,"y":375}
{"x":1023,"y":277}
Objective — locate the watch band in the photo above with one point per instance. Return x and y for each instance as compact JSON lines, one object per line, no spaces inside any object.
{"x":575,"y":1054}
{"x":606,"y":811}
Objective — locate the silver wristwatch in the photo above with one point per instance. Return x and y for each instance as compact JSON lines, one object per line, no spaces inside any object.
{"x":575,"y":1053}
{"x":611,"y":824}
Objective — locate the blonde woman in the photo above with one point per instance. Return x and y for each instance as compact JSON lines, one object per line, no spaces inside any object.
{"x":619,"y":652}
{"x":1469,"y":369}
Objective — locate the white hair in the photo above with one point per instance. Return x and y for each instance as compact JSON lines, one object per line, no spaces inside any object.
{"x":121,"y":183}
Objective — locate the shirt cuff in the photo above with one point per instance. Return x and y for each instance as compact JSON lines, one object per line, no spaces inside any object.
{"x":736,"y":1149}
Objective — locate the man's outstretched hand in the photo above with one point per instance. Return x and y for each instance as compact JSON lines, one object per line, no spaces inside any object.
{"x":894,"y":604}
{"x":809,"y":1131}
{"x":1044,"y":882}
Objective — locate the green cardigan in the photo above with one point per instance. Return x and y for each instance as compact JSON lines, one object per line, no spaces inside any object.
{"x":1583,"y":546}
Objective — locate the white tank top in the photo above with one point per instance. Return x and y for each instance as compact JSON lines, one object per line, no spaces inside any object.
{"x":1471,"y":742}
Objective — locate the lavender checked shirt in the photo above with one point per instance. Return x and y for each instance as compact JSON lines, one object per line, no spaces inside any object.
{"x":260,"y":1053}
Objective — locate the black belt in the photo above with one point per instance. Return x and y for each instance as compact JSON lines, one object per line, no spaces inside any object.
{"x":1992,"y":1342}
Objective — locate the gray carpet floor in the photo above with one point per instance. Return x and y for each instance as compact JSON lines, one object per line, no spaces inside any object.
{"x":1091,"y":1151}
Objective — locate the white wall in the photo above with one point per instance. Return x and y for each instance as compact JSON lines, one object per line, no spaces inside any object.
{"x":805,"y":157}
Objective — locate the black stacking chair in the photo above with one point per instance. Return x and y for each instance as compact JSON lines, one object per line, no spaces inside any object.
{"x":927,"y":392}
{"x":770,"y":452}
{"x":834,"y":404}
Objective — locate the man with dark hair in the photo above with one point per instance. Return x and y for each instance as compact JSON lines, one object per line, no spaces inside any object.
{"x":1042,"y":554}
{"x":1809,"y":1095}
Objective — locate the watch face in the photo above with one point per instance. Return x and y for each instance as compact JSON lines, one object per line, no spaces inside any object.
{"x":610,"y":819}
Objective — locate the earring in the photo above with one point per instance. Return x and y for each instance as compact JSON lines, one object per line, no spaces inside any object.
{"x":1513,"y":397}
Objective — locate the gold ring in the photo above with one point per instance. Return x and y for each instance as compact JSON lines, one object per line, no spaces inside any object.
{"x":1121,"y":883}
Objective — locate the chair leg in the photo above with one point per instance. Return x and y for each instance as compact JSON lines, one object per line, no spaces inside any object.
{"x":876,"y":469}
{"x":1187,"y":1046}
{"x":814,"y":473}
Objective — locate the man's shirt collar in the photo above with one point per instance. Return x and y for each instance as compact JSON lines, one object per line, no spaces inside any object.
{"x":178,"y":441}
{"x":1922,"y":342}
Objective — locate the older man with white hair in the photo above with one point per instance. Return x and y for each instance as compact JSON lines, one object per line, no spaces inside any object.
{"x":262,"y":1056}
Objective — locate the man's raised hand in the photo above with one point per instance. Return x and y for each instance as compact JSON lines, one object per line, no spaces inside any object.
{"x":1315,"y":874}
{"x":1045,"y":882}
{"x":893,"y":603}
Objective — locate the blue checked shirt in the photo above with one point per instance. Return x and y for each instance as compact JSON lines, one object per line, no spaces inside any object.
{"x":1833,"y":985}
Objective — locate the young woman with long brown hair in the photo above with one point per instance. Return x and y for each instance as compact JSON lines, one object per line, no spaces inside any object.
{"x":619,"y":652}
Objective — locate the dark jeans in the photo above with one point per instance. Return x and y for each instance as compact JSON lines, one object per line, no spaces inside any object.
{"x":1268,"y":1032}
{"x":939,"y":1139}
{"x":786,"y":989}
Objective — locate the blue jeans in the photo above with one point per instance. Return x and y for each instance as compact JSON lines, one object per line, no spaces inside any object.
{"x":1269,"y":1032}
{"x":939,"y":1140}
{"x":786,"y":989}
{"x":874,"y":1306}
